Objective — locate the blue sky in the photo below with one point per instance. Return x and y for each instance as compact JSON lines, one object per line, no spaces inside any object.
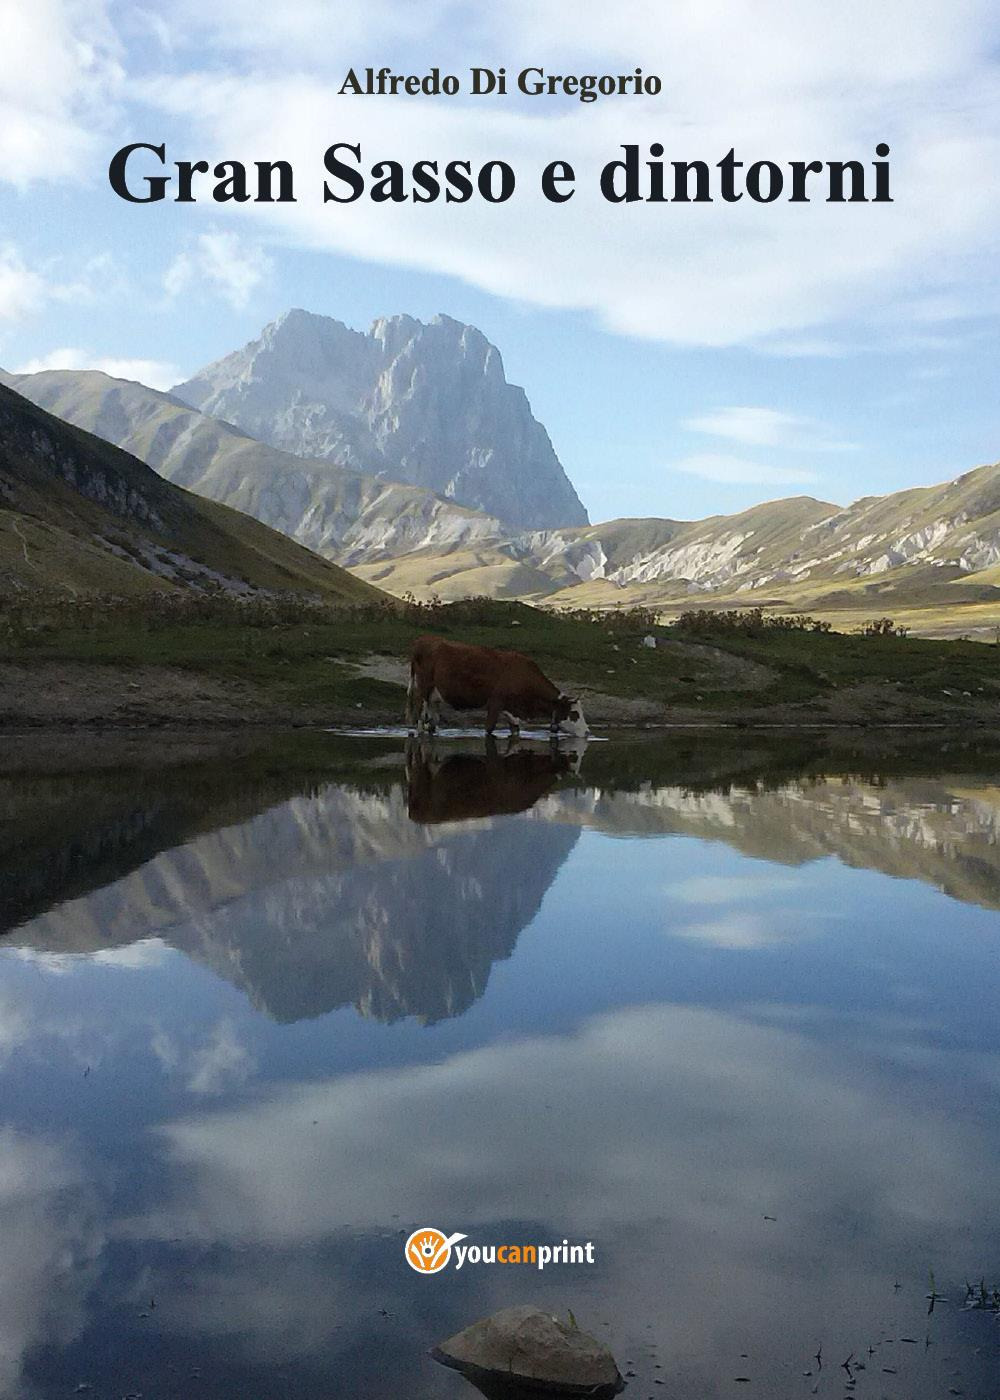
{"x":685,"y":360}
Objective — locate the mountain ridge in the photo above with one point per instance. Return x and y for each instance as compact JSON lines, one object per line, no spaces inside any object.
{"x":931,"y":544}
{"x":344,"y":515}
{"x":80,"y":514}
{"x":425,"y":403}
{"x":932,"y":549}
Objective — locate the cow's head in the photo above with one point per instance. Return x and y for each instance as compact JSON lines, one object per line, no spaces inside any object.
{"x":567,"y":717}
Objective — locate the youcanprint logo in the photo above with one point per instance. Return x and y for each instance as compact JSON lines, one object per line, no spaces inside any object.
{"x":428,"y":1250}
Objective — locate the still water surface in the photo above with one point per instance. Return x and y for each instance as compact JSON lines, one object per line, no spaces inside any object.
{"x":725,"y":1008}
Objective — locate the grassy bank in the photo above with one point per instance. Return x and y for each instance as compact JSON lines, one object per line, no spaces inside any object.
{"x":213,"y":661}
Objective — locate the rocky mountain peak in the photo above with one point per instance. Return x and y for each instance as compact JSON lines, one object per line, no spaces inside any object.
{"x":426,"y":403}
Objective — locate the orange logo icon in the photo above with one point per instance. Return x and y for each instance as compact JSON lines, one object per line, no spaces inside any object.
{"x":428,"y":1250}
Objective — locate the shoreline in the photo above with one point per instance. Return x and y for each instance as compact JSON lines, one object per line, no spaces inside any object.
{"x":42,"y":746}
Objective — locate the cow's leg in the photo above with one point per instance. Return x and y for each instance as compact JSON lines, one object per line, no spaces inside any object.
{"x":435,"y":702}
{"x":430,"y":711}
{"x":417,"y":709}
{"x":423,"y":713}
{"x":412,"y":705}
{"x":420,"y":687}
{"x":428,"y":719}
{"x":513,"y":724}
{"x":492,"y":714}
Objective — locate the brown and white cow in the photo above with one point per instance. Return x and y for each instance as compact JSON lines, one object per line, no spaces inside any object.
{"x":503,"y":683}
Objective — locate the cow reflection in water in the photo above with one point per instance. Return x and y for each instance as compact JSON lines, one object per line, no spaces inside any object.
{"x":454,"y":787}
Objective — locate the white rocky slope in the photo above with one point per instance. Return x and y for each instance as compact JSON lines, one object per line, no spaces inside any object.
{"x":953,"y":528}
{"x":427,"y":404}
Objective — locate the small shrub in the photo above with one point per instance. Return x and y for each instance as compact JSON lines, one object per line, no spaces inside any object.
{"x":746,"y":622}
{"x":882,"y":627}
{"x":617,"y":620}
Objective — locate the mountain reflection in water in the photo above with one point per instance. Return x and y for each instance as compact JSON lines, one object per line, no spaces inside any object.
{"x":725,"y":1008}
{"x":396,"y":890}
{"x":334,"y":898}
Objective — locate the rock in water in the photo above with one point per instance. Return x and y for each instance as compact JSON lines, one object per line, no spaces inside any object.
{"x":526,"y":1351}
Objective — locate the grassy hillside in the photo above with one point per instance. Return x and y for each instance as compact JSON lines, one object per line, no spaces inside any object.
{"x":343,"y":514}
{"x":80,"y":516}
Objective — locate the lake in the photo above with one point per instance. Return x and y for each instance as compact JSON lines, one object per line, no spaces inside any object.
{"x":723,"y":1007}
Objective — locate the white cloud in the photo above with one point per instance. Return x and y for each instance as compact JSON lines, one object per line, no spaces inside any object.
{"x":765,"y":427}
{"x":60,"y":77}
{"x":57,"y":964}
{"x":283,"y":1168}
{"x":158,"y":374}
{"x":137,"y":957}
{"x":729,"y":889}
{"x":152,"y":22}
{"x":22,"y":290}
{"x":791,"y":279}
{"x":289,"y":33}
{"x":738,"y":471}
{"x":777,"y":84}
{"x":15,"y":1024}
{"x":27,"y":288}
{"x":231,"y":266}
{"x":222,"y":1062}
{"x":741,"y":931}
{"x":50,"y":1241}
{"x":730,"y":924}
{"x":661,"y":1133}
